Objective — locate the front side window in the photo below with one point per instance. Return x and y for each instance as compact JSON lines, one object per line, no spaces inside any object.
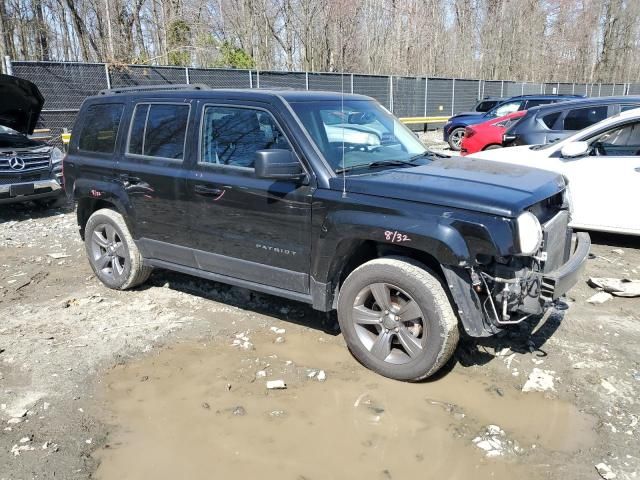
{"x":505,"y":109}
{"x":357,"y":133}
{"x":159,"y":130}
{"x":580,"y":118}
{"x":620,"y":142}
{"x":100,"y":128}
{"x":232,"y":135}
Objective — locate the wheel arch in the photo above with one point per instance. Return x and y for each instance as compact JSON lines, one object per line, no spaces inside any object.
{"x":87,"y":206}
{"x":352,"y":253}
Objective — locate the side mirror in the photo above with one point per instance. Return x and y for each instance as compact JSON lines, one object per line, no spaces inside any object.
{"x":278,"y":165}
{"x":575,"y":149}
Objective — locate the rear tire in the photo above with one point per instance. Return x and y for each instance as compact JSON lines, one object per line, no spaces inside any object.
{"x":112,"y":253}
{"x":397,"y":318}
{"x":455,"y":138}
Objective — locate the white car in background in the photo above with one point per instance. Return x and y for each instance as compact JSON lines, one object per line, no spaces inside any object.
{"x":602,"y":164}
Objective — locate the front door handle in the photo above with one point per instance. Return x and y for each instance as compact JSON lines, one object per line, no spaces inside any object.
{"x":207,"y":191}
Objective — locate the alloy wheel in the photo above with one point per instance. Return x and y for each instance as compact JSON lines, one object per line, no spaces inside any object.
{"x":389,"y":323}
{"x":109,"y":254}
{"x":456,"y":137}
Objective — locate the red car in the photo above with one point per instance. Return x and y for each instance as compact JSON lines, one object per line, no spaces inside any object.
{"x":488,"y":135}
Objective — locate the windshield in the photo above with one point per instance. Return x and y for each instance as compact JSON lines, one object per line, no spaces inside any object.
{"x":356,"y":133}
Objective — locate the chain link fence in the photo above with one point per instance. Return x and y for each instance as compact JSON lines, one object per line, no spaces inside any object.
{"x":65,"y":85}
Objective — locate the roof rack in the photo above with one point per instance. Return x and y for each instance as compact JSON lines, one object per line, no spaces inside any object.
{"x":151,"y":88}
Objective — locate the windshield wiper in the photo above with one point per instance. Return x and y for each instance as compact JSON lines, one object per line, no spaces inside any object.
{"x":378,"y":163}
{"x":428,"y":153}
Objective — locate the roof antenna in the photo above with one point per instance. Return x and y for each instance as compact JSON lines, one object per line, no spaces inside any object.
{"x":344,"y":174}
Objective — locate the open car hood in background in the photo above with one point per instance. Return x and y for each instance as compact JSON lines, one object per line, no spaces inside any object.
{"x":20,"y":104}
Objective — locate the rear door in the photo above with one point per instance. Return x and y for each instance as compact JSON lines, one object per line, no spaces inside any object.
{"x":564,"y":124}
{"x":91,"y":157}
{"x":151,"y":171}
{"x":246,"y":227}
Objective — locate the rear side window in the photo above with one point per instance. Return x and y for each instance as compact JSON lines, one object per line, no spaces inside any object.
{"x":550,"y":120}
{"x":580,"y":118}
{"x":159,"y":130}
{"x":100,"y":130}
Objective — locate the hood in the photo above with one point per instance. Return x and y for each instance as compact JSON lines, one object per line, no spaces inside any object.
{"x":17,"y":141}
{"x":507,"y":154}
{"x":466,"y":115}
{"x":465,"y":183}
{"x":21,"y":104}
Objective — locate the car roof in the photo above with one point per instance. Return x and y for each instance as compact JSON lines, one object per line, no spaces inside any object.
{"x":586,"y":102}
{"x":201,"y":91}
{"x":543,"y":96}
{"x":619,"y":118}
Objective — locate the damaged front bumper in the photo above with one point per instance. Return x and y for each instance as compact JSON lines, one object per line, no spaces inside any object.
{"x":490,"y":300}
{"x":558,"y":282}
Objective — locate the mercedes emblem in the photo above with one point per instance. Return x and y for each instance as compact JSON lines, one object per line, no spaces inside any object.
{"x":16,"y":163}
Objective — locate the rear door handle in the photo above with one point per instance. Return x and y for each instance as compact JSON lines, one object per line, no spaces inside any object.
{"x":207,"y":191}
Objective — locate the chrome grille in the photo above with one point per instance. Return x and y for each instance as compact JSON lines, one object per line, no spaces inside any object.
{"x":19,"y":162}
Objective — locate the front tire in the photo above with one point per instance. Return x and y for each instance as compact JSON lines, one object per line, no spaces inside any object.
{"x":112,"y":253}
{"x":397,"y":319}
{"x":455,"y":138}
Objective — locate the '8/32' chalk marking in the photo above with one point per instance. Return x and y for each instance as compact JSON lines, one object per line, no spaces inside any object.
{"x":395,"y":236}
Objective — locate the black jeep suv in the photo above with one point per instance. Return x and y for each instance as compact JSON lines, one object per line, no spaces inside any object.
{"x":29,"y":169}
{"x":324,"y":199}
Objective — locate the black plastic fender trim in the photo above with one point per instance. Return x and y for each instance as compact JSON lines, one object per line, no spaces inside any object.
{"x":466,"y":299}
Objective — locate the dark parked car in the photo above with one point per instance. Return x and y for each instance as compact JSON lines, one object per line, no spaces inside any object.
{"x":551,"y":123}
{"x":258,"y":189}
{"x":454,"y":128}
{"x":487,"y":103}
{"x":29,"y":169}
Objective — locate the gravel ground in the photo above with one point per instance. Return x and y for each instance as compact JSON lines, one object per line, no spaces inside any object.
{"x":62,"y":332}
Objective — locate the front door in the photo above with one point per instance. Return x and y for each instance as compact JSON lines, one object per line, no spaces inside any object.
{"x":605,"y":185}
{"x":246,"y":227}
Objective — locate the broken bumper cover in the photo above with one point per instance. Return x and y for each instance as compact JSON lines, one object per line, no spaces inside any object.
{"x":483,"y":315}
{"x":558,"y":282}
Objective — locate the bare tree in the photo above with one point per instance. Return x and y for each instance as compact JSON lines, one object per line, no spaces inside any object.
{"x":528,"y":40}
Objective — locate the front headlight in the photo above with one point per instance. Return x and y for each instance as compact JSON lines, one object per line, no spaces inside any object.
{"x":56,"y":155}
{"x":529,"y":233}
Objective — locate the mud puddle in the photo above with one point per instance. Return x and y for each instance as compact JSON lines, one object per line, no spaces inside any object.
{"x":202,"y":411}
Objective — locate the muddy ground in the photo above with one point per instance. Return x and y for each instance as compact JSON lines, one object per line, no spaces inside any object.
{"x":169,"y":381}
